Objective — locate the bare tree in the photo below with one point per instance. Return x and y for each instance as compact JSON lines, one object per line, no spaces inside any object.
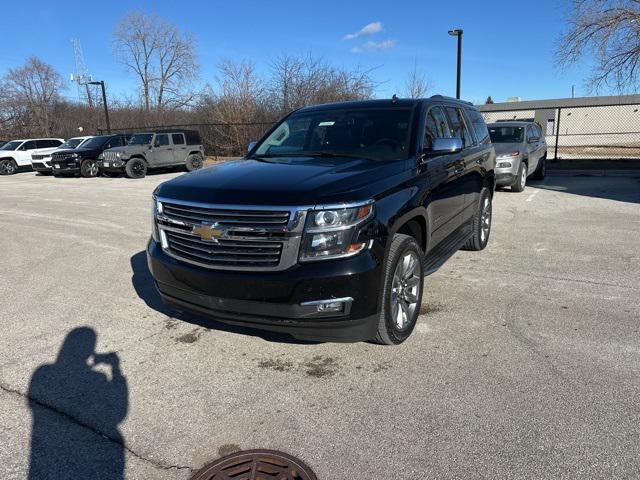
{"x":417,"y":84}
{"x":609,"y":32}
{"x":162,"y":59}
{"x":31,"y":92}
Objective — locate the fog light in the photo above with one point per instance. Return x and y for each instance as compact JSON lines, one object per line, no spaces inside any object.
{"x":332,"y":305}
{"x":504,"y":164}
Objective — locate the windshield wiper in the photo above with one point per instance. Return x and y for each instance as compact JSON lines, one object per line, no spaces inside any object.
{"x":335,"y":155}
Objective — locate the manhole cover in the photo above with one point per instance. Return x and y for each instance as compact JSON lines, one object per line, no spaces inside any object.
{"x":256,"y":465}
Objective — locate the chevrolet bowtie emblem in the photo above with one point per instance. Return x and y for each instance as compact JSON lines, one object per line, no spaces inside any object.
{"x":208,"y":232}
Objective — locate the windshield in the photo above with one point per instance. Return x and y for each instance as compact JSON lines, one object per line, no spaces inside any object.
{"x":506,"y":134}
{"x":72,"y":143}
{"x":96,"y":142}
{"x":376,"y":134}
{"x":11,"y":145}
{"x":141,"y":139}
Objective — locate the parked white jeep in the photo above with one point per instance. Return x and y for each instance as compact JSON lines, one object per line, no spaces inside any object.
{"x":16,"y":154}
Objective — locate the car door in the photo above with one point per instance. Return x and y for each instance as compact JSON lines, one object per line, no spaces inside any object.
{"x":476,"y":158}
{"x":179,"y":147}
{"x":162,"y":153}
{"x":533,"y":148}
{"x":23,"y":153}
{"x":442,"y":172}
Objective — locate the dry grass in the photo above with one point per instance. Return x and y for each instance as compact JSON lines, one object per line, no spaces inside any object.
{"x":212,"y":160}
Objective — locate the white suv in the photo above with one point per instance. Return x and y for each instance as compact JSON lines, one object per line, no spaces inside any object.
{"x":41,"y":159}
{"x":17,"y":153}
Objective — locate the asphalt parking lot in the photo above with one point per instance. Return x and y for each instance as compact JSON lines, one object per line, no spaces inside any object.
{"x":525,"y":362}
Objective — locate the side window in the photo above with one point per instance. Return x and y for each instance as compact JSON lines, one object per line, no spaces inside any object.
{"x":435,"y":126}
{"x":177,"y":138}
{"x":55,"y":143}
{"x":531,"y":132}
{"x":30,"y":145}
{"x":459,"y":128}
{"x":479,"y":126}
{"x":114,"y":142}
{"x":161,"y":140}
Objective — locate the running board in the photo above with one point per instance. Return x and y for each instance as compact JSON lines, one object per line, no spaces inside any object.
{"x":446,"y":249}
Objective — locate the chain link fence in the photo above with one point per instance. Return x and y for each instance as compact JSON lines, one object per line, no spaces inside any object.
{"x":585,"y":132}
{"x":219,"y":139}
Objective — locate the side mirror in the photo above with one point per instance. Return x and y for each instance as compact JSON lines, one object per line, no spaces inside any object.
{"x":444,"y":146}
{"x":251,"y":145}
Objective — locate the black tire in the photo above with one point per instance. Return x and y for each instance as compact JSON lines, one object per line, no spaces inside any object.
{"x":481,"y":223}
{"x":389,"y":332}
{"x":520,"y":182}
{"x":8,"y":166}
{"x":194,"y":162}
{"x":136,"y":168}
{"x":89,"y":168}
{"x":541,"y":169}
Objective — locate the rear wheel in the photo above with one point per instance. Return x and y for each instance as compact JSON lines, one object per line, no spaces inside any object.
{"x":402,"y":291}
{"x":521,"y":179}
{"x":136,"y":168}
{"x":89,"y":168}
{"x":541,"y":170}
{"x":481,"y":224}
{"x":8,"y":166}
{"x":194,"y":162}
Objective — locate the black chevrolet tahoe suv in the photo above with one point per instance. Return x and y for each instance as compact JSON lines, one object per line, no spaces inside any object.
{"x":326,"y":229}
{"x":84,"y":160}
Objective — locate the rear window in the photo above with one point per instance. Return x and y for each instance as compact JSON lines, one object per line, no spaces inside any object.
{"x":177,"y":138}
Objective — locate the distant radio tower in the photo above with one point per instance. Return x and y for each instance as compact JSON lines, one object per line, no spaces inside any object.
{"x":81,"y":76}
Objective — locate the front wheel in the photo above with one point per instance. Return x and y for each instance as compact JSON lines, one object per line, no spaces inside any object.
{"x":89,"y":169}
{"x":481,"y":224}
{"x":136,"y":168}
{"x":8,"y":166}
{"x":194,"y":162}
{"x":521,"y":178}
{"x":402,"y":291}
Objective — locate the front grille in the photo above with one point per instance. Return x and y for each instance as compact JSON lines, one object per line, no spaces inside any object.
{"x":110,"y":156}
{"x":249,"y":239}
{"x":240,"y":218}
{"x":39,"y":156}
{"x":224,"y":252}
{"x":57,"y":157}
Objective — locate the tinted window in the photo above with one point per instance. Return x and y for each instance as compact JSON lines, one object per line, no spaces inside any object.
{"x":30,"y":145}
{"x":177,"y":139}
{"x":531,"y":132}
{"x":506,"y":134}
{"x":161,"y":140}
{"x":141,"y":139}
{"x":193,"y":138}
{"x":479,"y":126}
{"x":11,"y":145}
{"x":114,"y":142}
{"x":459,"y":127}
{"x":435,"y":126}
{"x":373,"y":133}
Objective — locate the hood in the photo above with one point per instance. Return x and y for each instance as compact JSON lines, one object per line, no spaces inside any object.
{"x":43,"y":151}
{"x":286,"y":181}
{"x":130,"y":149}
{"x":80,"y":151}
{"x":502,"y":148}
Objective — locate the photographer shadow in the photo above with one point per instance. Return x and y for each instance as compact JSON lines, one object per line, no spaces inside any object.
{"x":76,"y":410}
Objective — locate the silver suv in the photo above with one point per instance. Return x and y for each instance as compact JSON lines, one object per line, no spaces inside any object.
{"x":150,"y":150}
{"x":521,"y":151}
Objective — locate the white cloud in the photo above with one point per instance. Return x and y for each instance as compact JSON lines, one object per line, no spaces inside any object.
{"x":366,"y":31}
{"x":375,"y":46}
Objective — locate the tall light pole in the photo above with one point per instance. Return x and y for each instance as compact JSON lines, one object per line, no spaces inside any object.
{"x":458,"y":33}
{"x":104,"y":102}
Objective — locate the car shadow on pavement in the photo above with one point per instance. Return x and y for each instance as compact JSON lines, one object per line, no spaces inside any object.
{"x":618,"y":188}
{"x":76,"y":409}
{"x":145,"y":288}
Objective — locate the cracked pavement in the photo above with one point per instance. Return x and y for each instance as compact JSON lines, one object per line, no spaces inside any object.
{"x":525,"y":362}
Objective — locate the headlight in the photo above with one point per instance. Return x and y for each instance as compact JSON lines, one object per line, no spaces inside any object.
{"x":504,"y":164}
{"x":118,"y":154}
{"x":156,"y":207}
{"x":513,"y":154}
{"x":332,"y":233}
{"x":74,"y":155}
{"x":101,"y":156}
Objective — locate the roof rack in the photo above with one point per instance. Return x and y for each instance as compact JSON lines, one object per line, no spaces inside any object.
{"x":443,"y":97}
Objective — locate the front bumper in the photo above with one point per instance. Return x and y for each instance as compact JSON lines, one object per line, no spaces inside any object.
{"x":274,"y":300}
{"x":505,"y":176}
{"x":66,"y":165}
{"x":112,"y":165}
{"x":41,"y":166}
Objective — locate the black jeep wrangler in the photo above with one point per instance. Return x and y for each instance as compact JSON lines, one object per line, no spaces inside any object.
{"x":328,"y":226}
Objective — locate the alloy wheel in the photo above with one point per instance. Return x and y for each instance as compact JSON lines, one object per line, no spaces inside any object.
{"x":405,"y":290}
{"x":92,"y":169}
{"x":138,"y":168}
{"x":6,"y":168}
{"x":485,"y":220}
{"x":523,"y":177}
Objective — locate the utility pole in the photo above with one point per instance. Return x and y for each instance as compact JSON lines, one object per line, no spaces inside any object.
{"x":458,"y":33}
{"x":104,"y":102}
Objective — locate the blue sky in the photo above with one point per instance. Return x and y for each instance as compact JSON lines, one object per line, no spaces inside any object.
{"x":507,"y":50}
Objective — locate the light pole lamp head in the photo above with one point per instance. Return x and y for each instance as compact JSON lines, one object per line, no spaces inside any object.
{"x":456,"y":32}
